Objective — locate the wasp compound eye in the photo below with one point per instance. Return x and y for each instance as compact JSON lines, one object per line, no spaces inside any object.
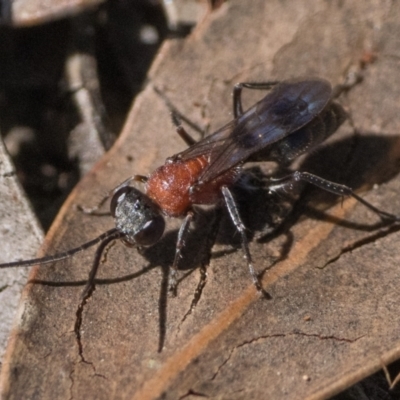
{"x":137,"y":216}
{"x":151,"y":231}
{"x":117,"y":198}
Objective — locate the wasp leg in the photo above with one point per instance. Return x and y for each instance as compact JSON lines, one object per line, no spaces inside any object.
{"x":237,"y":93}
{"x":180,"y":243}
{"x":234,"y":214}
{"x":177,"y":117}
{"x":181,"y":131}
{"x":332,"y":187}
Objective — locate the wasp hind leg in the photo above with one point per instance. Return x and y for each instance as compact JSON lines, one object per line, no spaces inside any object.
{"x":332,"y":187}
{"x":234,"y":214}
{"x":180,"y":243}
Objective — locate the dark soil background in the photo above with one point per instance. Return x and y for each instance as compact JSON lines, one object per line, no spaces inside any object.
{"x":37,"y":107}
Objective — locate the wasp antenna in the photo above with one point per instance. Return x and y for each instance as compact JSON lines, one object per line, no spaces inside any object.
{"x":61,"y":256}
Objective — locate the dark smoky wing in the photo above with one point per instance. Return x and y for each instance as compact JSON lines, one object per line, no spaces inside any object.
{"x":209,"y":144}
{"x":290,"y":106}
{"x":230,"y":154}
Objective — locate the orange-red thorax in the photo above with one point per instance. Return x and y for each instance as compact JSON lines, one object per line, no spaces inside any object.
{"x":169,"y":185}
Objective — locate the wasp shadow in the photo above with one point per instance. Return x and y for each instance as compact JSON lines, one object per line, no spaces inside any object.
{"x":359,"y":162}
{"x":355,"y":162}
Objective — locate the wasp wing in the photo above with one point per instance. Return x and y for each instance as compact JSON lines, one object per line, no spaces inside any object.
{"x":209,"y":144}
{"x":287,"y":108}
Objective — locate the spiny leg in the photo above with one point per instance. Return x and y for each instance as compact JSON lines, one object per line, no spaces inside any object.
{"x":237,"y":93}
{"x":177,"y":117}
{"x":332,"y":187}
{"x":234,"y":214}
{"x":181,"y":131}
{"x":180,"y":243}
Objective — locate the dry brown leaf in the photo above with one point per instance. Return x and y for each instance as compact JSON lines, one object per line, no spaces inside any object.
{"x":323,"y":329}
{"x":14,"y":207}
